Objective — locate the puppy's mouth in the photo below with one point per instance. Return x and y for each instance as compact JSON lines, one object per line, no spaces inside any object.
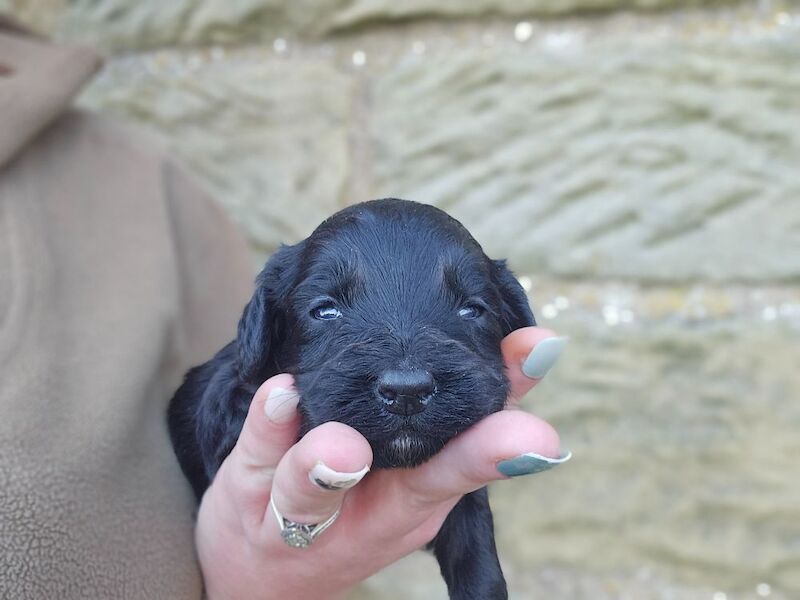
{"x":407,"y":448}
{"x":401,"y":433}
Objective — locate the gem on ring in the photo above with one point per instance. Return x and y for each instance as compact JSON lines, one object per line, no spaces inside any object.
{"x":299,"y":535}
{"x":295,"y":536}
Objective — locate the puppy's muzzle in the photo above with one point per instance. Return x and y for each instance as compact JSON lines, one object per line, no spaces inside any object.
{"x":406,"y":393}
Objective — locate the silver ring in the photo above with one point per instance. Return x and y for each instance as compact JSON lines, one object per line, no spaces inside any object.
{"x":299,"y":535}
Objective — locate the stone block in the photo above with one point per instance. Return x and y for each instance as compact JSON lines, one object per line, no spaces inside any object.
{"x":661,"y":162}
{"x":268,"y":137}
{"x":118,"y":25}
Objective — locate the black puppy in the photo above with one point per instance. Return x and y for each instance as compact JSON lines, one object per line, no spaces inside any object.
{"x":389,"y":317}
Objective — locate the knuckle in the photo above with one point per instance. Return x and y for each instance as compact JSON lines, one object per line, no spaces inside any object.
{"x":306,"y":509}
{"x":310,"y":516}
{"x":420,"y":502}
{"x":246,"y":470}
{"x":423,"y":499}
{"x":246,"y":451}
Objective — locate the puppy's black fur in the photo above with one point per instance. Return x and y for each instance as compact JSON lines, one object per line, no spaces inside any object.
{"x":381,"y":294}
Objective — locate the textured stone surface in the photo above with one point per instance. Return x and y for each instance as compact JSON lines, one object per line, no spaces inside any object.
{"x":148,"y":23}
{"x":667,"y":162}
{"x":269,"y":139}
{"x":126,"y":25}
{"x":360,"y":12}
{"x":685,"y":437}
{"x":416,"y":578}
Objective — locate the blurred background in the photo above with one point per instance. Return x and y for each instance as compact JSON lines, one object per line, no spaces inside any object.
{"x":638,"y":161}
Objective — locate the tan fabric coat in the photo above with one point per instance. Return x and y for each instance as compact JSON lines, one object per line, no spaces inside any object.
{"x":116,"y":274}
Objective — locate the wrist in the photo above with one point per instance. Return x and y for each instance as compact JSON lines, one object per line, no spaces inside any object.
{"x":252,"y":594}
{"x":231,"y":582}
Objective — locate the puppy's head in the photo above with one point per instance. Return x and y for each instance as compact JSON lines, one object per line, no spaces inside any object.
{"x":390,"y":317}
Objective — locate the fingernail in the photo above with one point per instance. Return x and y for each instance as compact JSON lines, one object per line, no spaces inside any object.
{"x":323,"y":476}
{"x":281,"y":405}
{"x":526,"y":464}
{"x":543,"y":356}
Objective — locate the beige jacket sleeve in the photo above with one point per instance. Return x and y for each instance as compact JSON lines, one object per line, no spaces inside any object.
{"x":116,"y":274}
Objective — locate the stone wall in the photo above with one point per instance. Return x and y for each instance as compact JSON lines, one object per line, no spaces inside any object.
{"x":639,"y":163}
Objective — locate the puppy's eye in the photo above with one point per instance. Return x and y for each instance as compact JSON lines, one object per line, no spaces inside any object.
{"x":471,"y":311}
{"x":326,"y":312}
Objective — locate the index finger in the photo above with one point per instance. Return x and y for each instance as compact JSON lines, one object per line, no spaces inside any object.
{"x":471,"y":460}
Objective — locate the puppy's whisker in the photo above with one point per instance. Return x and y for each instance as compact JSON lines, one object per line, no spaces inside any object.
{"x":440,"y":338}
{"x":321,"y":369}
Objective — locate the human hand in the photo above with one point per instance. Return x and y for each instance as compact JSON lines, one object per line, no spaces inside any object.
{"x":388,"y":515}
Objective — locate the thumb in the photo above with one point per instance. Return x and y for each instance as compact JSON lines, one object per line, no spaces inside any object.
{"x":506,"y":443}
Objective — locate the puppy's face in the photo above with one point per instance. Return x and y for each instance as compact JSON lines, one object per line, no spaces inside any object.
{"x":390,"y":318}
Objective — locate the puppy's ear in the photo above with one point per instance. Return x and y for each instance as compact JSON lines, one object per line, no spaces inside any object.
{"x":263,"y":322}
{"x":516,"y":313}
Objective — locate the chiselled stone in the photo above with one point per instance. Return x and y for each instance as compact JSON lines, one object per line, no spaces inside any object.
{"x":360,"y":12}
{"x":145,"y":24}
{"x":667,"y":162}
{"x":269,"y":138}
{"x":125,"y":25}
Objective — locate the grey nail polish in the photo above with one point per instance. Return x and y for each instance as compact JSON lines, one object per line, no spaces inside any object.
{"x":543,"y":356}
{"x":527,"y":464}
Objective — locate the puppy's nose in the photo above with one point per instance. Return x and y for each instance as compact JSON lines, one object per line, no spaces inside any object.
{"x":406,"y":392}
